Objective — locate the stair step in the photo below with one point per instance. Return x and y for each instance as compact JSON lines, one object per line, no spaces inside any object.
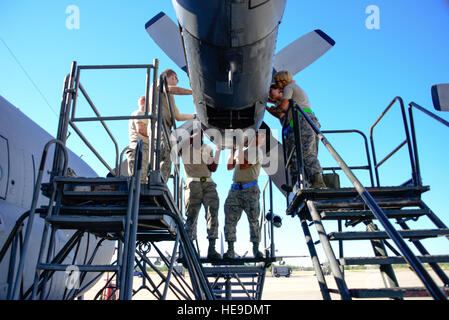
{"x":385,"y":203}
{"x":153,"y":197}
{"x":392,"y":292}
{"x":386,"y":197}
{"x":219,"y":291}
{"x":87,"y":222}
{"x":240,"y":271}
{"x":146,"y":223}
{"x":88,"y":268}
{"x":241,"y":298}
{"x":88,"y":180}
{"x":93,"y":195}
{"x":82,"y":185}
{"x":101,"y":191}
{"x":236,"y":261}
{"x":368,"y":235}
{"x":107,"y":210}
{"x":351,"y":193}
{"x":245,"y":283}
{"x":367,"y":214}
{"x":351,"y":204}
{"x":391,"y":260}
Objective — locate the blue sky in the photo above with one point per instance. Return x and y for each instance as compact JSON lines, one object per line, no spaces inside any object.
{"x":348,"y":88}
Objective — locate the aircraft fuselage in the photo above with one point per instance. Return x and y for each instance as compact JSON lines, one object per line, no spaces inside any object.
{"x":21,"y":146}
{"x":229,"y":49}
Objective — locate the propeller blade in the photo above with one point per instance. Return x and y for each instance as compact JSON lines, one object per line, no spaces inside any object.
{"x":303,"y":52}
{"x":167,"y":36}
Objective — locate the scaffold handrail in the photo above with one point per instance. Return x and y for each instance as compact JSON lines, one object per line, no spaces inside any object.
{"x":413,"y":132}
{"x":368,"y":158}
{"x":407,"y":253}
{"x":69,"y":106}
{"x":407,"y":142}
{"x":270,"y":232}
{"x":430,"y":114}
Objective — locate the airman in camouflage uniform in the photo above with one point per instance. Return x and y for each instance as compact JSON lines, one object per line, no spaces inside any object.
{"x":243,"y":196}
{"x":172,"y":81}
{"x":309,"y":144}
{"x":201,"y":190}
{"x":281,"y":92}
{"x":138,"y":129}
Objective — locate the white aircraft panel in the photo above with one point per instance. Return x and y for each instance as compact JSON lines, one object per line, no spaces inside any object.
{"x":4,"y":167}
{"x":440,"y":96}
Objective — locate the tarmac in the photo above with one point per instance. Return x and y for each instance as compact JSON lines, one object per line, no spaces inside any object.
{"x":299,"y":286}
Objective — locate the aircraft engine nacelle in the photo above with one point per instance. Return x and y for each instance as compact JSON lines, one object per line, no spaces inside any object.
{"x":229,"y":47}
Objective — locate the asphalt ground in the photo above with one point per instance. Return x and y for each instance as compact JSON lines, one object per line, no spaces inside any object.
{"x":299,"y":286}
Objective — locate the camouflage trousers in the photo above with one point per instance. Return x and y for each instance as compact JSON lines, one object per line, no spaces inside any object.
{"x":242,"y":200}
{"x":131,"y":157}
{"x":165,"y":160}
{"x":309,"y":146}
{"x":205,"y":193}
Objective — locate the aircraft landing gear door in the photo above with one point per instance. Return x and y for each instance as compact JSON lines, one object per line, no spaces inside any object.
{"x":4,"y":167}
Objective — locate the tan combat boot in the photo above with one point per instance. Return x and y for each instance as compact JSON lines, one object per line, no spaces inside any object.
{"x":256,"y":252}
{"x":318,"y":182}
{"x":230,"y":254}
{"x":212,"y":254}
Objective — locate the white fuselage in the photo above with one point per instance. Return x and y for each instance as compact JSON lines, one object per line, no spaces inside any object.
{"x":21,"y":145}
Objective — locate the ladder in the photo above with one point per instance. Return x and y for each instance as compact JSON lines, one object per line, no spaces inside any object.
{"x":237,"y":279}
{"x":116,"y":208}
{"x":137,"y":220}
{"x":360,"y":205}
{"x":83,"y":205}
{"x":243,"y":278}
{"x":399,"y":204}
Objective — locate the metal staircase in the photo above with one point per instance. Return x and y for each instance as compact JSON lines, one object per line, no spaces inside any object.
{"x":120,"y":208}
{"x":243,"y":278}
{"x":81,"y":206}
{"x":116,"y":208}
{"x":137,"y":219}
{"x":237,"y":281}
{"x":369,"y":206}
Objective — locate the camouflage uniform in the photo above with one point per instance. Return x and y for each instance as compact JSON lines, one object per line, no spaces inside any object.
{"x":134,"y":136}
{"x":200,"y":189}
{"x":165,"y":166}
{"x":238,"y":200}
{"x":247,"y":200}
{"x":195,"y":194}
{"x":309,"y":140}
{"x":165,"y":161}
{"x":131,"y":156}
{"x":309,"y":145}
